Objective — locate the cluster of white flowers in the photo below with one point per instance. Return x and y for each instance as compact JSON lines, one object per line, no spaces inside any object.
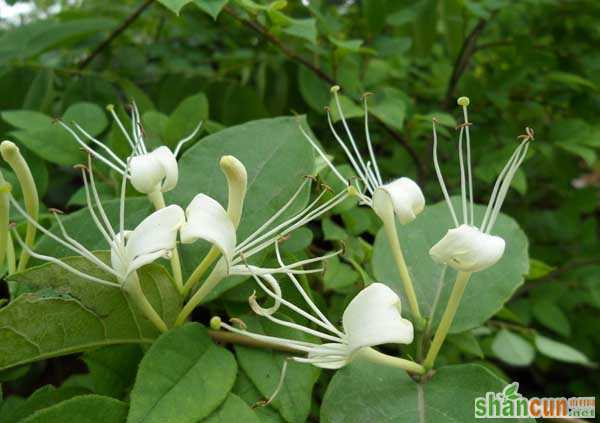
{"x":372,"y":318}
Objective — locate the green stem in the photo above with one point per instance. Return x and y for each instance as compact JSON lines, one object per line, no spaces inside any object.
{"x":133,"y":288}
{"x":389,"y":226}
{"x":4,"y":217}
{"x":11,"y":259}
{"x":199,"y":271}
{"x":11,"y":154}
{"x":462,"y":278}
{"x":218,"y":273}
{"x":375,"y":356}
{"x":158,"y":201}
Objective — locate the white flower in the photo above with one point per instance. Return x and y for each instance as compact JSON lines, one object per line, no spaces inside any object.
{"x":149,"y":171}
{"x":466,"y":247}
{"x":402,"y":196}
{"x":153,"y":238}
{"x":206,"y":219}
{"x":372,"y":318}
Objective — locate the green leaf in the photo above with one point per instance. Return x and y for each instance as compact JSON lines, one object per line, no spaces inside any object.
{"x":234,"y":409}
{"x":512,"y":348}
{"x":466,"y":342}
{"x":212,"y":7}
{"x":82,"y":409}
{"x":246,"y":390}
{"x":264,"y":367}
{"x":277,"y":158}
{"x":182,"y":379}
{"x":338,"y":275}
{"x":389,"y":105}
{"x":41,"y":93}
{"x":367,"y":392}
{"x":27,"y":119}
{"x":551,"y":316}
{"x":538,"y":269}
{"x":486,"y":292}
{"x":53,"y":144}
{"x":45,"y":396}
{"x":349,"y":109}
{"x":89,"y":116}
{"x":314,"y":90}
{"x":186,"y":117}
{"x":559,"y":351}
{"x":78,"y":315}
{"x":174,"y":6}
{"x":333,"y":231}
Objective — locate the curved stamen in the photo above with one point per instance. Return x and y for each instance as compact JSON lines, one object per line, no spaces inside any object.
{"x":97,"y":198}
{"x":111,"y":110}
{"x":369,"y":144}
{"x":289,"y":343}
{"x":463,"y":191}
{"x":469,"y":173}
{"x":323,"y":156}
{"x":441,"y":178}
{"x":182,"y":142}
{"x":101,"y":145}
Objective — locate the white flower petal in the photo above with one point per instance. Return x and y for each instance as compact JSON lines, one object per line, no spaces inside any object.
{"x":170,"y":169}
{"x":208,"y":220}
{"x":156,"y":233}
{"x":373,"y":318}
{"x":146,"y":173}
{"x":468,"y":249}
{"x":330,"y":356}
{"x":403,"y":196}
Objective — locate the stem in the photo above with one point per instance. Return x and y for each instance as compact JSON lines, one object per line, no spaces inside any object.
{"x":375,"y":356}
{"x":4,"y":216}
{"x":462,"y":278}
{"x":209,"y":259}
{"x":225,"y":337}
{"x":11,"y":259}
{"x":11,"y":154}
{"x":133,"y":288}
{"x":158,"y":200}
{"x":389,"y":225}
{"x":218,"y":273}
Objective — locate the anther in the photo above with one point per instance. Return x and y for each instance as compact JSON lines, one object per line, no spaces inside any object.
{"x":55,"y":211}
{"x":334,"y":89}
{"x":239,"y":322}
{"x":463,"y":125}
{"x":463,"y":101}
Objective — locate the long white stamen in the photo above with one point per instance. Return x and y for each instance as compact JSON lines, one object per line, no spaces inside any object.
{"x":348,"y":132}
{"x":186,"y":139}
{"x":279,"y":385}
{"x":122,"y":207}
{"x":371,"y":174}
{"x":317,"y":360}
{"x":469,"y":173}
{"x":441,"y":178}
{"x":499,"y":180}
{"x":61,"y":263}
{"x":505,"y":187}
{"x":97,"y":198}
{"x":323,"y":156}
{"x":82,"y":250}
{"x":369,"y":144}
{"x":91,"y":207}
{"x":282,"y":210}
{"x":111,"y":110}
{"x":306,"y":297}
{"x":463,"y":191}
{"x":355,"y":165}
{"x":101,"y":145}
{"x":289,"y":343}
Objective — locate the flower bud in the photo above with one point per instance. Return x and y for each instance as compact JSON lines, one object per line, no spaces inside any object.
{"x":237,"y":182}
{"x":154,"y":171}
{"x":468,"y":249}
{"x":402,"y":197}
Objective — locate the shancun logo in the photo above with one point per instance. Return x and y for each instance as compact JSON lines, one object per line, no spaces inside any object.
{"x":511,"y":404}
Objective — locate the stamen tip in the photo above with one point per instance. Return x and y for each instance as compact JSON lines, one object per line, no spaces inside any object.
{"x":334,"y":89}
{"x":366,"y":95}
{"x":55,"y":210}
{"x":215,"y":323}
{"x":463,"y":101}
{"x":110,"y":107}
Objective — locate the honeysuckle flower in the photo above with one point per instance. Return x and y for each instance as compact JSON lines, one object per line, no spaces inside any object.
{"x":153,"y":238}
{"x":467,"y":247}
{"x":149,"y":171}
{"x":402,"y":196}
{"x":373,"y":317}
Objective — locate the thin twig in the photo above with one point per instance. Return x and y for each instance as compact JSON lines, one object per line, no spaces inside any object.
{"x":467,"y":50}
{"x":114,"y":34}
{"x":567,"y":267}
{"x":293,"y":55}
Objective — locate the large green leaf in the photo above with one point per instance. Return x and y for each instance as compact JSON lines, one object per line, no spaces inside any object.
{"x":264,"y":369}
{"x":512,"y":348}
{"x":233,"y":409}
{"x":182,"y":379}
{"x":486,"y":292}
{"x":78,"y":315}
{"x":367,"y":392}
{"x":82,"y":409}
{"x":277,"y":159}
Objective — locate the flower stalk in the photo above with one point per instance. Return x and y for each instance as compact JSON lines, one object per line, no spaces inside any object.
{"x":462,"y":278}
{"x":5,"y":189}
{"x":134,"y":290}
{"x":11,"y":154}
{"x":374,"y":356}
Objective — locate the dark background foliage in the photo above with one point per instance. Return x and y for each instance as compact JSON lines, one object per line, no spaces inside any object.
{"x":522,"y":63}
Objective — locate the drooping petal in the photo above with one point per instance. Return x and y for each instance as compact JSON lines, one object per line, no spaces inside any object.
{"x":468,"y":249}
{"x":208,"y":220}
{"x":146,"y":173}
{"x":329,"y":356}
{"x":403,"y":196}
{"x":155,"y":235}
{"x":167,"y":160}
{"x":373,"y":318}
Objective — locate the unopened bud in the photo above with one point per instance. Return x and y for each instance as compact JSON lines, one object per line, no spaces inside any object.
{"x":237,"y":182}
